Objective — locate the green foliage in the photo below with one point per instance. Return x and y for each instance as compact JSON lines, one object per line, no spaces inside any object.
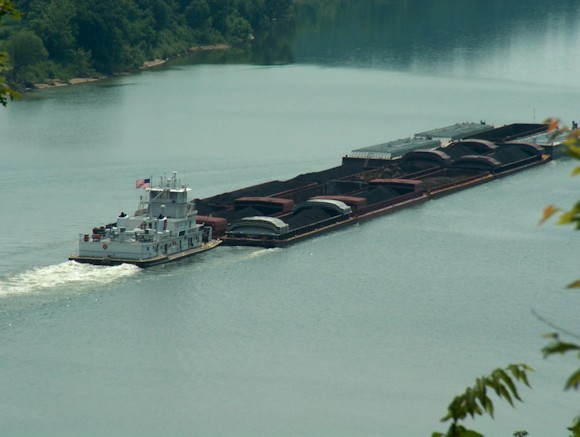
{"x":197,"y":14}
{"x":6,"y":92}
{"x":54,"y":24}
{"x":575,"y":427}
{"x":571,"y":146}
{"x":92,"y":37}
{"x":6,"y":9}
{"x":277,"y":9}
{"x":238,"y":29}
{"x":559,"y":347}
{"x":476,"y":401}
{"x":28,"y":56}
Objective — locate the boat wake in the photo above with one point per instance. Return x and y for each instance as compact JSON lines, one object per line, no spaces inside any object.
{"x":264,"y":252}
{"x":227,"y":256}
{"x":68,"y":275}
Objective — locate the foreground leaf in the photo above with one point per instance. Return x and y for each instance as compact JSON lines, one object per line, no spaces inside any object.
{"x":475,"y":401}
{"x":549,"y":211}
{"x":575,"y":428}
{"x":559,"y":347}
{"x":573,"y":381}
{"x":553,"y":124}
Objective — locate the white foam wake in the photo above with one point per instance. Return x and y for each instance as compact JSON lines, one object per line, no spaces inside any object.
{"x":264,"y":252}
{"x":68,"y":274}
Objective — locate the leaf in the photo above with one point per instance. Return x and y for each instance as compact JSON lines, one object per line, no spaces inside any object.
{"x":489,"y":406}
{"x":573,"y":138}
{"x":470,"y":402}
{"x":573,"y":381}
{"x":524,"y":378}
{"x":510,"y":384}
{"x":482,"y":394}
{"x":474,"y":401}
{"x":553,"y":124}
{"x":575,"y":284}
{"x":505,"y":394}
{"x":571,"y":148}
{"x":575,"y":428}
{"x":516,"y":371}
{"x":566,"y":218}
{"x":559,"y":347}
{"x":549,"y":211}
{"x":576,"y":171}
{"x":570,"y":216}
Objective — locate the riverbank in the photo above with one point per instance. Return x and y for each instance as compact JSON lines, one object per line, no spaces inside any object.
{"x":203,"y":48}
{"x":146,"y":65}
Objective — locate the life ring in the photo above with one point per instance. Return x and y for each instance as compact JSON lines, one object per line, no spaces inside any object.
{"x":105,"y":246}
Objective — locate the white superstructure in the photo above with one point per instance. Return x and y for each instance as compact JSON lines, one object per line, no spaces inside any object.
{"x":162,"y":229}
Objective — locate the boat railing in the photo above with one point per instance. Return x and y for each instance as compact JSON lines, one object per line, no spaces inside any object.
{"x":144,"y":238}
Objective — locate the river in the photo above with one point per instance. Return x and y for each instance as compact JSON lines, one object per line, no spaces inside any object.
{"x":367,"y":331}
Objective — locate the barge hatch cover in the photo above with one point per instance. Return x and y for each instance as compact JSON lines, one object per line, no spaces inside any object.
{"x":395,"y":148}
{"x":456,"y":132}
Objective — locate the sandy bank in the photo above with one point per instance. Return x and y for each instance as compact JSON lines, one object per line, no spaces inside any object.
{"x":147,"y":64}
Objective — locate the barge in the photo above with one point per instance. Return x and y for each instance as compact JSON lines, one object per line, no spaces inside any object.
{"x":375,"y":181}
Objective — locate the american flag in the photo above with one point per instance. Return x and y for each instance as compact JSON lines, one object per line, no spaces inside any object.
{"x":143,"y":183}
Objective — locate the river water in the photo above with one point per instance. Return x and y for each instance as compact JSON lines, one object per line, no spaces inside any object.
{"x":367,"y":331}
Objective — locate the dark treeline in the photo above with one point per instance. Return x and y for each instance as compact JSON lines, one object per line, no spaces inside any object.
{"x":60,"y":39}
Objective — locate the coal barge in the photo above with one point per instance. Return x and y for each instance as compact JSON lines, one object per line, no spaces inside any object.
{"x":374,"y":181}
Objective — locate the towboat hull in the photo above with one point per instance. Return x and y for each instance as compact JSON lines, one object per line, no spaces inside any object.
{"x":110,"y":261}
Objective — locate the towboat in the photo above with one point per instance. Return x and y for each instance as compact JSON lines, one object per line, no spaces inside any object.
{"x":163,"y":229}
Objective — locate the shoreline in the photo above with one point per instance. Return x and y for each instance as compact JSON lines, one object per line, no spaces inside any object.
{"x":57,"y":83}
{"x":196,"y":49}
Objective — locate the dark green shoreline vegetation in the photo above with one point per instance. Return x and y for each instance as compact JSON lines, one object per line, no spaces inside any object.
{"x":55,"y":41}
{"x":6,"y":93}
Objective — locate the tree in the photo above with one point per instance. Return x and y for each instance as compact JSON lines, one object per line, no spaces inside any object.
{"x":96,"y":37}
{"x":27,"y":56}
{"x":197,"y":14}
{"x":475,"y":400}
{"x":276,"y":9}
{"x":54,"y":24}
{"x":107,"y":31}
{"x":237,"y":28}
{"x":6,"y":9}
